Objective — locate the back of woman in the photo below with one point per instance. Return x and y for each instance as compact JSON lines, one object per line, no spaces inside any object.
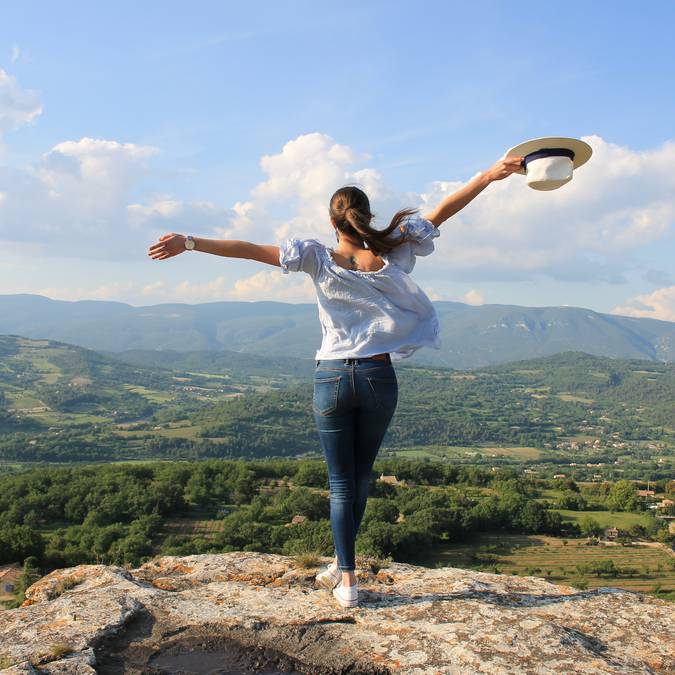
{"x":371,"y":312}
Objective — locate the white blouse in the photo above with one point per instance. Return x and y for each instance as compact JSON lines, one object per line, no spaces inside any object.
{"x":368,"y":313}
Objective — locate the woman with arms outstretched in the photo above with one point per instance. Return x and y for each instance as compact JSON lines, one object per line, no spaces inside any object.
{"x":370,"y":310}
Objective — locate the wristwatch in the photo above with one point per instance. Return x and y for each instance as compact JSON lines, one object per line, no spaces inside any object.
{"x":189,"y":242}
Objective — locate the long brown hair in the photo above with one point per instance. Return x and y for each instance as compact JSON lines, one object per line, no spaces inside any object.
{"x":350,"y":209}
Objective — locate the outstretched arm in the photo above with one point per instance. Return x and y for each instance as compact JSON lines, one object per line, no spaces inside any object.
{"x":460,"y":198}
{"x":172,"y":244}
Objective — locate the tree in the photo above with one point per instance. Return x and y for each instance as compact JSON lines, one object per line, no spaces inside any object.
{"x":30,"y":574}
{"x":18,"y":543}
{"x":622,"y":496}
{"x":312,"y":474}
{"x":590,"y":527}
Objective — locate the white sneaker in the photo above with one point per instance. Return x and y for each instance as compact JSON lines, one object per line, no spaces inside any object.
{"x":329,"y":577}
{"x":347,"y":596}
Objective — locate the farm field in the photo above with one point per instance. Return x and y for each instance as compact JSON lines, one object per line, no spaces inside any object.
{"x":620,"y":519}
{"x":455,"y":451}
{"x":550,"y":557}
{"x":192,"y":527}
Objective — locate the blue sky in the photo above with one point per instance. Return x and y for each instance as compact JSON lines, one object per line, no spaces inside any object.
{"x":121,"y":122}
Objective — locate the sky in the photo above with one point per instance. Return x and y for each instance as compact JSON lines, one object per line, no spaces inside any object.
{"x":120,"y":122}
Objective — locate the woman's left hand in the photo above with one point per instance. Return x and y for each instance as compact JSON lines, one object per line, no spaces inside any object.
{"x":504,"y":167}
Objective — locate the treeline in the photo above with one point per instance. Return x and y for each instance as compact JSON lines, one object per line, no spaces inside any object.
{"x":122,"y":513}
{"x":117,"y":513}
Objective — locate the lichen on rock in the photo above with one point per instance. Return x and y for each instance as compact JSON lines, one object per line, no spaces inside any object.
{"x":264,"y":609}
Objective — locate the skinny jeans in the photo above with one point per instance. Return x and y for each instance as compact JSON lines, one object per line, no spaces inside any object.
{"x":353,"y":403}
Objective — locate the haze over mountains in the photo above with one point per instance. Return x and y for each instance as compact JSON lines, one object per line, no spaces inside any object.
{"x":471,"y":336}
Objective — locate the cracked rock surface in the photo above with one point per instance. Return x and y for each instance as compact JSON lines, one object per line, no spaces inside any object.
{"x":257,"y":612}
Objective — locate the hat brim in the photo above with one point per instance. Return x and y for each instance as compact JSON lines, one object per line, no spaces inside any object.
{"x":582,"y":151}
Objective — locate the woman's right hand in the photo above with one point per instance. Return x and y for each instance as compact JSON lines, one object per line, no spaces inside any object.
{"x":504,"y":167}
{"x":169,"y":245}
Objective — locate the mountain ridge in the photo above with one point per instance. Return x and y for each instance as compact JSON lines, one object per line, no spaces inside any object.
{"x":471,"y":336}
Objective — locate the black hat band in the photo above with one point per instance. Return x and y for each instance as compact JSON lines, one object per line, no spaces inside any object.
{"x":548,"y":152}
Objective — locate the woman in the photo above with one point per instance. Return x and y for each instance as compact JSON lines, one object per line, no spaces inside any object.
{"x":369,"y":309}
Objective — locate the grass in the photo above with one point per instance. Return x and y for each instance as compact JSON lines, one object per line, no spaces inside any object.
{"x":193,"y":527}
{"x":552,"y":558}
{"x":618,"y":519}
{"x":64,"y":585}
{"x":517,"y":452}
{"x":575,"y":398}
{"x":151,"y":395}
{"x":452,"y":451}
{"x":173,"y":432}
{"x":307,"y":560}
{"x":60,"y":649}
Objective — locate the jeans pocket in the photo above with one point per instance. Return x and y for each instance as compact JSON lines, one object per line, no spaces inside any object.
{"x":325,"y":399}
{"x":385,"y":391}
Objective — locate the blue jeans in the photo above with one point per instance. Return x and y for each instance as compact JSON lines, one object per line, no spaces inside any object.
{"x":354,"y":401}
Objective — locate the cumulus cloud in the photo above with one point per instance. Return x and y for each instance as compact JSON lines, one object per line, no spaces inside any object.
{"x":86,"y":197}
{"x":74,"y":200}
{"x":588,"y":229}
{"x":659,"y":304}
{"x":473,"y":297}
{"x":293,"y":198}
{"x":18,"y":106}
{"x":264,"y":285}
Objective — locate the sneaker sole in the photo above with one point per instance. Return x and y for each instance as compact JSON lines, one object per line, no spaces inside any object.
{"x":346,"y":603}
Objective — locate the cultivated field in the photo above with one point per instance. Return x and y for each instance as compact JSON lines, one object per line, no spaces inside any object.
{"x":558,"y":560}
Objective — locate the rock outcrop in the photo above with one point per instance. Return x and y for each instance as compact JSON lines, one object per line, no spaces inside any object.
{"x":255,"y":612}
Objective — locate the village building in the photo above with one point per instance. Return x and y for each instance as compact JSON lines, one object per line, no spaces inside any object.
{"x":296,"y":520}
{"x":391,"y":479}
{"x":9,"y":580}
{"x":611,"y":533}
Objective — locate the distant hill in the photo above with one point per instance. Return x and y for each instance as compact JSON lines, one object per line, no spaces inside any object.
{"x":61,"y":402}
{"x":471,"y":336}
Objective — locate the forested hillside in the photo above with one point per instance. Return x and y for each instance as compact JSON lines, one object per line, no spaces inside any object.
{"x":59,"y":402}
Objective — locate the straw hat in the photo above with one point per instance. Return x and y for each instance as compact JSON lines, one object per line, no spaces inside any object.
{"x":550,"y":161}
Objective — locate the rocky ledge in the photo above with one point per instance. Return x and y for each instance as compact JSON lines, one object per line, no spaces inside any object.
{"x":254,"y":612}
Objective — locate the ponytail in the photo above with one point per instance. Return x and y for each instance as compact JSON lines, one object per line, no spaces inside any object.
{"x":350,"y":209}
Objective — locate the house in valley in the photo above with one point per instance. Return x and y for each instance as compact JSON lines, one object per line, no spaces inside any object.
{"x":9,"y":580}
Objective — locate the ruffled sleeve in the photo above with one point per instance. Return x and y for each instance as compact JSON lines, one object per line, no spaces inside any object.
{"x":418,"y":239}
{"x":300,"y":255}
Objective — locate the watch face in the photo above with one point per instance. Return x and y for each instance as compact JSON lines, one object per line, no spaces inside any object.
{"x":189,"y":243}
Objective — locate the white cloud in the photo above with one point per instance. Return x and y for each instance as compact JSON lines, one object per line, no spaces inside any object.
{"x":268,"y":285}
{"x":473,"y":297}
{"x":588,"y":229}
{"x":109,"y":291}
{"x":74,"y":200}
{"x":16,"y":53}
{"x":18,"y":106}
{"x":293,"y":199}
{"x":618,"y":202}
{"x":86,"y":198}
{"x":659,"y":304}
{"x":264,"y":285}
